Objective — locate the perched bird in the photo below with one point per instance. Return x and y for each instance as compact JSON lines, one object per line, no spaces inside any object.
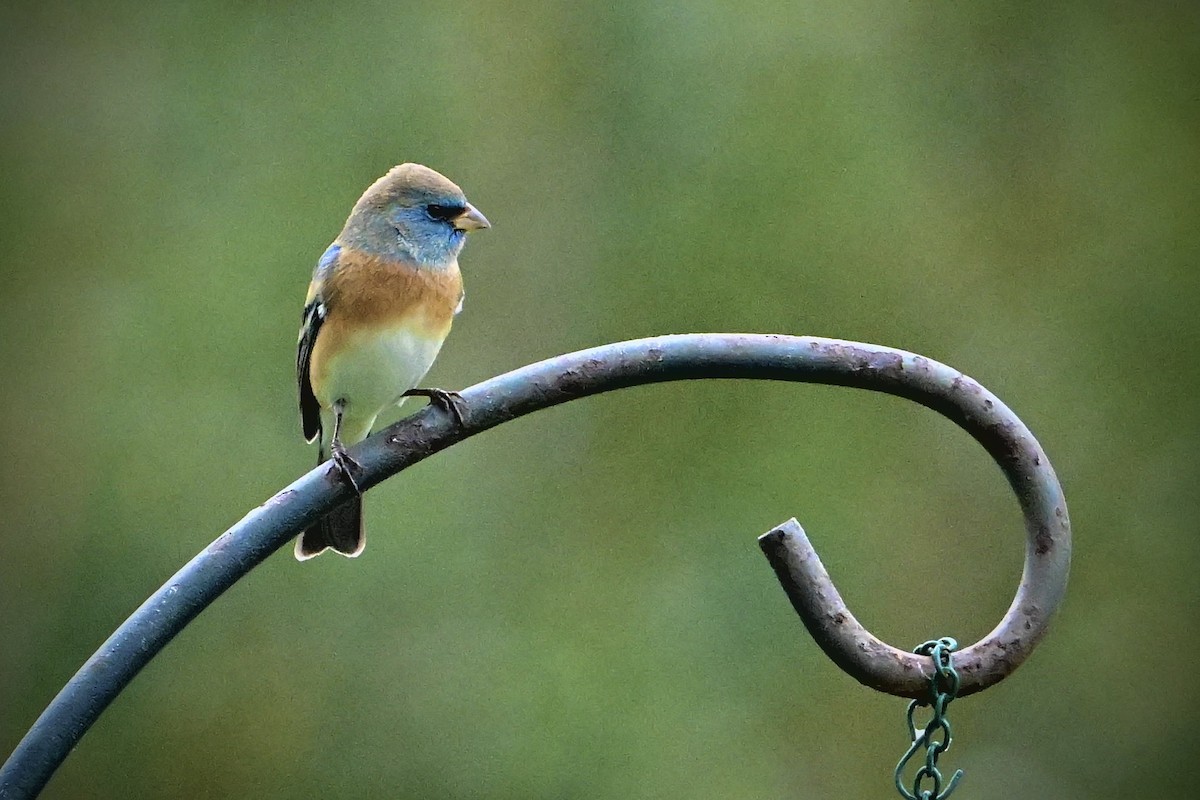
{"x":378,"y":309}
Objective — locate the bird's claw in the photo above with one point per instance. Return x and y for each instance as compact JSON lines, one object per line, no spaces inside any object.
{"x":346,"y":465}
{"x":450,"y":402}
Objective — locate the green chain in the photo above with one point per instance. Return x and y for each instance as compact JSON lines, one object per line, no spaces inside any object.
{"x":943,"y":686}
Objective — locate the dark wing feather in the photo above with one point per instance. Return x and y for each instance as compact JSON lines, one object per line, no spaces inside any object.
{"x":310,"y":409}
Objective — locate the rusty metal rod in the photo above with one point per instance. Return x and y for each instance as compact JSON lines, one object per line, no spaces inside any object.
{"x":587,"y":372}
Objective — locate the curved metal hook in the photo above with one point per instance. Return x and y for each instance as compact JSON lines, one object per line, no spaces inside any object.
{"x":877,"y":664}
{"x":587,"y":372}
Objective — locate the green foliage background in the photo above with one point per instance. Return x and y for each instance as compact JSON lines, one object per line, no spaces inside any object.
{"x":574,"y":605}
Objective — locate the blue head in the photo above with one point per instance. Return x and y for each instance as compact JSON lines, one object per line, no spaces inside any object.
{"x":415,"y":214}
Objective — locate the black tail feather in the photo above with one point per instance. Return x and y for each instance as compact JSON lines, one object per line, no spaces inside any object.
{"x":341,"y":530}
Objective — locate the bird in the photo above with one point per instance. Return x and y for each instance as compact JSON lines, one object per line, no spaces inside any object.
{"x":381,"y":302}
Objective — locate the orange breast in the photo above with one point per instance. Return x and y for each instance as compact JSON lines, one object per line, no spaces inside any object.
{"x":369,"y":294}
{"x":369,"y":290}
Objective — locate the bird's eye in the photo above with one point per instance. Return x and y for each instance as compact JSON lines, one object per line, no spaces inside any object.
{"x":444,"y":213}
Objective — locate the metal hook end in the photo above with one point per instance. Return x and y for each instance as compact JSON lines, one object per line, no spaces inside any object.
{"x":844,"y":640}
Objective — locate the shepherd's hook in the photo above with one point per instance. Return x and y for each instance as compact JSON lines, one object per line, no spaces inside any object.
{"x":587,"y":372}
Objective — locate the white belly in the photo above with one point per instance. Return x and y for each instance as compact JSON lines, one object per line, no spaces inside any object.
{"x":373,"y":374}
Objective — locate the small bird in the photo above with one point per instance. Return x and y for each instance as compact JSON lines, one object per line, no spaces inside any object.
{"x":380,"y":304}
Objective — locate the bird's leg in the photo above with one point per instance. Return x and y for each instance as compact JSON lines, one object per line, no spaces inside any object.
{"x":337,"y":451}
{"x":451,"y":402}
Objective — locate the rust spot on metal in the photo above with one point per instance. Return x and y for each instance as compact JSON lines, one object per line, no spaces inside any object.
{"x":574,"y":380}
{"x":1044,"y":542}
{"x":860,"y":359}
{"x":962,"y":383}
{"x":891,"y":363}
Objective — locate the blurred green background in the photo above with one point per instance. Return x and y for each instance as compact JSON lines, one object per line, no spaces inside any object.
{"x":574,"y":605}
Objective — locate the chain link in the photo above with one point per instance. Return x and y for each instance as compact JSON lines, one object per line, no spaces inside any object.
{"x":935,"y":736}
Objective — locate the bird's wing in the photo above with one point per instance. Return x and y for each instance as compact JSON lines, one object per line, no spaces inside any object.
{"x":310,"y":409}
{"x":310,"y":325}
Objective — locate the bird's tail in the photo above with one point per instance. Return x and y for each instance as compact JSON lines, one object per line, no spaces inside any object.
{"x":341,"y":530}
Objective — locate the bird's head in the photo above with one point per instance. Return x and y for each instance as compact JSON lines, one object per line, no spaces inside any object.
{"x":414,"y":213}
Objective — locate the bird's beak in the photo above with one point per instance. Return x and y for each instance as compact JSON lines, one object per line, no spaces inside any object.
{"x":471,"y":220}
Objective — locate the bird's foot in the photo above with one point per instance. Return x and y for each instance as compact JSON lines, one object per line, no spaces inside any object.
{"x":450,"y":402}
{"x":346,"y":465}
